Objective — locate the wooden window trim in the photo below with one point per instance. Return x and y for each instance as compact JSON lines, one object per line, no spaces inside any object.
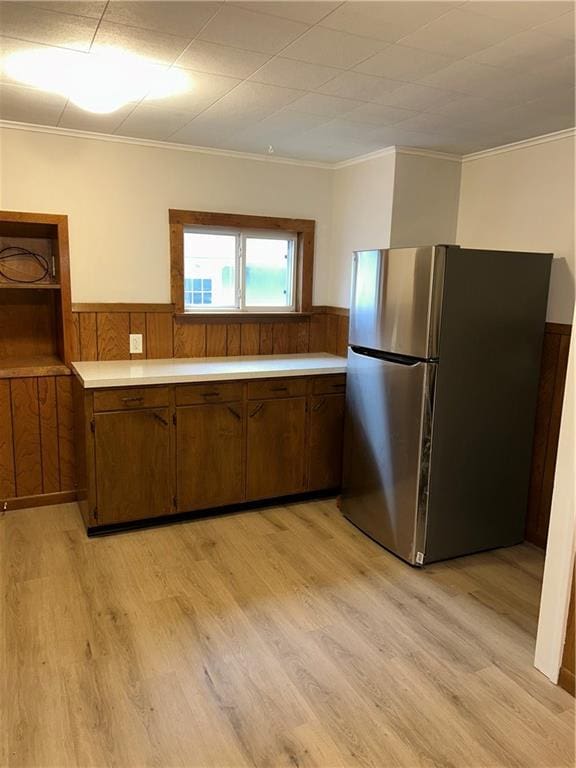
{"x":304,"y":229}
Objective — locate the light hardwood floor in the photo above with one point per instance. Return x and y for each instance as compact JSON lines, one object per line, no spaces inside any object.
{"x":268,"y":638}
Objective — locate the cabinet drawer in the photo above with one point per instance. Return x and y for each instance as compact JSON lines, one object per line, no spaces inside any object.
{"x":293,"y":387}
{"x":212,"y":392}
{"x":327,"y":385}
{"x":131,"y":397}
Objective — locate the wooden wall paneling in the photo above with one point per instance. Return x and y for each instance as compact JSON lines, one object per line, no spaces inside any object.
{"x":280,"y":338}
{"x":66,"y":447}
{"x":138,"y":325}
{"x":189,"y":339}
{"x":7,"y":477}
{"x":342,"y":344}
{"x":266,"y":338}
{"x":302,"y":336}
{"x":233,"y":339}
{"x":88,"y":336}
{"x":113,"y":330}
{"x":159,"y":335}
{"x":250,"y":339}
{"x":317,"y":333}
{"x":547,"y":431}
{"x":49,"y":434}
{"x":332,"y":322}
{"x":75,"y":346}
{"x":26,"y":434}
{"x":216,"y":340}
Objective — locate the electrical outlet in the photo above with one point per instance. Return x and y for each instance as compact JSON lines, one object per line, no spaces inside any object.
{"x":135,"y":343}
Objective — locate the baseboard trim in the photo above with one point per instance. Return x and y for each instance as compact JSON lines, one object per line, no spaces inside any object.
{"x":40,"y":500}
{"x":567,"y":680}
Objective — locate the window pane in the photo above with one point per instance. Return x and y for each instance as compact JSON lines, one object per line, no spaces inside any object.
{"x":209,"y":270}
{"x":268,"y":272}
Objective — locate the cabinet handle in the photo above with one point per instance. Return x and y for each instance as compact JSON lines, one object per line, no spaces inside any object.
{"x":210,"y":394}
{"x":132,"y":399}
{"x":337,"y":386}
{"x":257,"y":409}
{"x":319,"y":405}
{"x":161,"y":419}
{"x":278,"y":389}
{"x":233,"y":412}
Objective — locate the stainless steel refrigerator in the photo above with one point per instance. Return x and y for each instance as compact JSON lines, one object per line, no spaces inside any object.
{"x":443,"y":369}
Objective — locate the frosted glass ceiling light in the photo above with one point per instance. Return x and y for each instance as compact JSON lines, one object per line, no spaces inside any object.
{"x":101,"y":81}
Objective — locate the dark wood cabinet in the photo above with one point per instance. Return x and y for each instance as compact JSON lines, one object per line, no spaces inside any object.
{"x":275,"y":447}
{"x":209,"y":456}
{"x":325,"y":441}
{"x":152,"y":451}
{"x":132,"y":461}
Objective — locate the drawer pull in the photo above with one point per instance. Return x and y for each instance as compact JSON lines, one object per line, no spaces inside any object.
{"x":234,"y":413}
{"x":128,"y":400}
{"x":338,"y":386}
{"x":319,"y":405}
{"x":278,"y":389}
{"x":160,"y":418}
{"x":257,"y":410}
{"x":210,"y":394}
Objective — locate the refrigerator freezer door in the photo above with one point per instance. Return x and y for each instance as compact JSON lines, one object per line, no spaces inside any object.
{"x":396,"y":300}
{"x":388,"y":418}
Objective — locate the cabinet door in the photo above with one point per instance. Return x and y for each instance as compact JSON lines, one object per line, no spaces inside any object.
{"x":209,"y":456}
{"x":132,"y":465}
{"x":276,"y":442}
{"x":325,"y":446}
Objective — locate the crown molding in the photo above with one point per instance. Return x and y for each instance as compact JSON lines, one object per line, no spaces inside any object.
{"x":75,"y":134}
{"x":524,"y":144}
{"x":365,"y":158}
{"x":391,"y":150}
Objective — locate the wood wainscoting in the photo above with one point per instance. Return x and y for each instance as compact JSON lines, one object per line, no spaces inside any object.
{"x":547,"y":431}
{"x":101,"y":332}
{"x":36,"y":441}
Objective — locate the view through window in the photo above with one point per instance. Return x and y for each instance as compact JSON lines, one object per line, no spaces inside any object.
{"x":239,"y":270}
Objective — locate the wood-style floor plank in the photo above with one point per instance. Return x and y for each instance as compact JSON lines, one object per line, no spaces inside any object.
{"x":273,"y":638}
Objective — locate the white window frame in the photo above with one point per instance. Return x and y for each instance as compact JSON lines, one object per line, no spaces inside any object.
{"x":241,"y":236}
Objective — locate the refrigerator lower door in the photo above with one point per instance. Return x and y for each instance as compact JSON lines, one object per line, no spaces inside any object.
{"x":386,"y":451}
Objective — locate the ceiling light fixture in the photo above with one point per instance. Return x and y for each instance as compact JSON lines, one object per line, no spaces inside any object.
{"x":101,"y":81}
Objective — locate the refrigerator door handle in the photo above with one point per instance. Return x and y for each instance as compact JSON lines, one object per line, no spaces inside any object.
{"x":388,"y":357}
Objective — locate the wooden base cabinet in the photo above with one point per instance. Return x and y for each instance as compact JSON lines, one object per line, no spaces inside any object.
{"x":209,"y":456}
{"x":276,"y":448}
{"x":153,"y":451}
{"x":132,"y":452}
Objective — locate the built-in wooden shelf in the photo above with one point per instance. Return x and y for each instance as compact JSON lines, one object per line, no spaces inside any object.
{"x":41,"y":365}
{"x":30,"y":286}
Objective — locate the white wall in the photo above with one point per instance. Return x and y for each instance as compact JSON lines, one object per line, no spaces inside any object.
{"x":361,"y":218}
{"x":117,"y":197}
{"x":426,"y":196}
{"x":524,"y":200}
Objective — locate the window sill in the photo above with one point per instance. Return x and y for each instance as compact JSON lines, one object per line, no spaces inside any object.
{"x":241,"y":317}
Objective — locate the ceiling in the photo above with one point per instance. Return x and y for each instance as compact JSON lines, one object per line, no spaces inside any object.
{"x":322,"y":81}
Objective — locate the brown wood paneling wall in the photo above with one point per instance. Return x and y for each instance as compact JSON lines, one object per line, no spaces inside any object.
{"x":103,"y":333}
{"x":547,"y":431}
{"x":36,"y":439}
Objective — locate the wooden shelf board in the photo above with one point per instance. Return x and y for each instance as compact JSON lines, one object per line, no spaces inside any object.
{"x":30,"y":286}
{"x":22,"y":367}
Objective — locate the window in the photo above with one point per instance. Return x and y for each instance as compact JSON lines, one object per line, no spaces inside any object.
{"x":232,"y":263}
{"x":238,"y":270}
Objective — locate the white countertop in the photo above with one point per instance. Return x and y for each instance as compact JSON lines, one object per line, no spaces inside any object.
{"x":131,"y":373}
